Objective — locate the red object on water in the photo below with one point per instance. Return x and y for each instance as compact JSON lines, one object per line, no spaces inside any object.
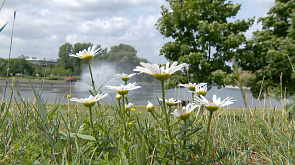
{"x":71,"y":79}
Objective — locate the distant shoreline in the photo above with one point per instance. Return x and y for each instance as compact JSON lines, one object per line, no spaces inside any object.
{"x":63,"y":84}
{"x":36,"y":83}
{"x":235,"y":87}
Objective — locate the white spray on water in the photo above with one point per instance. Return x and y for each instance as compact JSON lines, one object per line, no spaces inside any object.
{"x":103,"y":74}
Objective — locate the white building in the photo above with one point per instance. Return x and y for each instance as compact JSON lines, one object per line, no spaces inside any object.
{"x":44,"y":62}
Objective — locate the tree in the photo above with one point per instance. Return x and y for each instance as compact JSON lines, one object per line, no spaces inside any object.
{"x":203,"y":38}
{"x":78,"y":63}
{"x":61,"y":71}
{"x":69,"y":64}
{"x":3,"y":66}
{"x":125,"y":58}
{"x":20,"y":65}
{"x":64,"y":60}
{"x":267,"y":54}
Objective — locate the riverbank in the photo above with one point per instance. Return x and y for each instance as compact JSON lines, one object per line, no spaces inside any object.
{"x":36,"y":83}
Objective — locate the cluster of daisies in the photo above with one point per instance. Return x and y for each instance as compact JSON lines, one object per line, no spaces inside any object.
{"x":161,"y":73}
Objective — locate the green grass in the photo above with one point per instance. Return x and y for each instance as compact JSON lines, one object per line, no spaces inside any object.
{"x":26,"y":139}
{"x":40,"y":133}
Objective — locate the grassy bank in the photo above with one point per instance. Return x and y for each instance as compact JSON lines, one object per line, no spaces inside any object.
{"x":57,"y":79}
{"x":93,"y":133}
{"x":60,"y":134}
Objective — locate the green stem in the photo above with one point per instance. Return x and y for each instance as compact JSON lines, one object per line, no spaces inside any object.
{"x":153,"y":114}
{"x":124,"y":116}
{"x":168,"y":123}
{"x":90,"y":118}
{"x":184,"y":134}
{"x":208,"y":131}
{"x":91,"y":124}
{"x":93,"y":86}
{"x":120,"y":111}
{"x":126,"y":94}
{"x":120,"y":118}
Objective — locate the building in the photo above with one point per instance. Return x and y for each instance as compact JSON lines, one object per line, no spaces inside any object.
{"x":43,"y":63}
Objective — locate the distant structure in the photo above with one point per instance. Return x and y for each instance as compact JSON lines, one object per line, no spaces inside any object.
{"x":43,"y":63}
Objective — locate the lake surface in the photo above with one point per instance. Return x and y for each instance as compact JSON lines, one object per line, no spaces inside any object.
{"x":138,"y":97}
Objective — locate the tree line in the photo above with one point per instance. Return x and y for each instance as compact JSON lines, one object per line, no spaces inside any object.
{"x":123,"y":56}
{"x":205,"y":38}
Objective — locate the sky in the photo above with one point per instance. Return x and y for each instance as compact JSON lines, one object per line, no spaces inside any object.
{"x":42,"y":26}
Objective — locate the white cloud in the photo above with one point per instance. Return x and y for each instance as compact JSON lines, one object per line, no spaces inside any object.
{"x":264,"y":4}
{"x":256,"y":26}
{"x":41,"y":27}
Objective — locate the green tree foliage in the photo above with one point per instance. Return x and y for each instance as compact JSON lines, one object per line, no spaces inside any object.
{"x":78,"y":63}
{"x":203,"y":37}
{"x":125,"y":58}
{"x":266,"y":55}
{"x":38,"y":70}
{"x":20,"y":65}
{"x":68,"y":64}
{"x":64,"y":60}
{"x":61,"y":71}
{"x":3,"y":67}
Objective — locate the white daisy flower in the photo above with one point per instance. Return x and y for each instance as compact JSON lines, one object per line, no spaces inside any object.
{"x":215,"y":103}
{"x":190,"y":86}
{"x":87,"y":55}
{"x":150,"y":107}
{"x":90,"y":101}
{"x":160,"y":73}
{"x":185,"y":112}
{"x":201,"y":89}
{"x":171,"y":101}
{"x":124,"y":89}
{"x":125,"y":77}
{"x":129,"y":105}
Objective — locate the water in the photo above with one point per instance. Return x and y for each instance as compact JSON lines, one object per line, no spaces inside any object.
{"x":139,"y":96}
{"x":103,"y":73}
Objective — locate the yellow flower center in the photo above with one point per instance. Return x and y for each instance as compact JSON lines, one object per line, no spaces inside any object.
{"x":89,"y":104}
{"x":123,"y":92}
{"x":170,"y":103}
{"x":184,"y":116}
{"x":159,"y":76}
{"x":212,"y":108}
{"x":203,"y":93}
{"x":191,"y":88}
{"x":132,"y":109}
{"x":125,"y":78}
{"x":87,"y":57}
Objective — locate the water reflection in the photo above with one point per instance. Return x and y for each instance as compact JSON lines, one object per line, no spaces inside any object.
{"x":139,"y":97}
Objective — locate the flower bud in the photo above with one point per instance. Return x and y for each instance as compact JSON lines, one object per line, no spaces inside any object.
{"x":118,"y":96}
{"x":184,"y":116}
{"x":150,"y":107}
